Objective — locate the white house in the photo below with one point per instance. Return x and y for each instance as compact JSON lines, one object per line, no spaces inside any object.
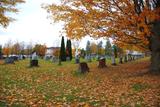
{"x":50,"y":50}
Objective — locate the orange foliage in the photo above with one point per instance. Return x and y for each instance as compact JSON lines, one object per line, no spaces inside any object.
{"x":6,"y":51}
{"x":104,"y":19}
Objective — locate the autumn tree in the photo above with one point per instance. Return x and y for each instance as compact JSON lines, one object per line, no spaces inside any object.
{"x":40,"y":49}
{"x":8,"y":6}
{"x":29,"y":48}
{"x":128,"y":22}
{"x":7,"y":48}
{"x":93,"y":48}
{"x":62,"y":50}
{"x":15,"y":48}
{"x":6,"y":51}
{"x":56,"y":52}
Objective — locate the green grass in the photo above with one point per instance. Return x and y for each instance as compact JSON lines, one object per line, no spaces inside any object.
{"x":53,"y":83}
{"x":138,"y":87}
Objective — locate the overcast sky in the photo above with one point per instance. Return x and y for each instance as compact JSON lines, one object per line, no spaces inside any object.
{"x":32,"y":25}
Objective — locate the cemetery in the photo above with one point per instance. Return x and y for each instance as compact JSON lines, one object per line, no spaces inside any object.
{"x":106,"y":55}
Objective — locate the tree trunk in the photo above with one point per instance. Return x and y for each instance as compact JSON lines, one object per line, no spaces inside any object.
{"x":155,"y":48}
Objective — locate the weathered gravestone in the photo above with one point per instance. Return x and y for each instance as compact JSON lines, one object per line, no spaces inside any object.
{"x":121,"y":59}
{"x":15,"y":58}
{"x":88,"y":58}
{"x":9,"y":60}
{"x":83,"y":67}
{"x":102,"y":63}
{"x":54,"y":59}
{"x":68,"y":58}
{"x":113,"y":60}
{"x":47,"y":58}
{"x":114,"y":54}
{"x":34,"y":60}
{"x":125,"y":58}
{"x":23,"y":57}
{"x":77,"y":59}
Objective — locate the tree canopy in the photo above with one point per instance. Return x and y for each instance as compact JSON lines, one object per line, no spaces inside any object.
{"x":8,"y":6}
{"x":127,"y":21}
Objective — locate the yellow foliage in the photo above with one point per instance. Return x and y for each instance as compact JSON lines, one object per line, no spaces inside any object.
{"x":105,"y":18}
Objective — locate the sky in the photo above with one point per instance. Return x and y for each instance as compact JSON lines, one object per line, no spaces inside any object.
{"x":32,"y":25}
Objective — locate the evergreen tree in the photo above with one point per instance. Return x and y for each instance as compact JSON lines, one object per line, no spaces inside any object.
{"x":0,"y":51}
{"x":88,"y":48}
{"x":70,"y":49}
{"x":99,"y":48}
{"x":88,"y":51}
{"x":83,"y":53}
{"x":67,"y":49}
{"x":115,"y":50}
{"x":62,"y":50}
{"x":108,"y":48}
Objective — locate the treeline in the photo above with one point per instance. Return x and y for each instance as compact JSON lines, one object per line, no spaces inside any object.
{"x":22,"y":48}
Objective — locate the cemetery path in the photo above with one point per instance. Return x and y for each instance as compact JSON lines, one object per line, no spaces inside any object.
{"x":124,"y":85}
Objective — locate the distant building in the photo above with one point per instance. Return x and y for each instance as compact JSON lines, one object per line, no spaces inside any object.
{"x":51,"y":50}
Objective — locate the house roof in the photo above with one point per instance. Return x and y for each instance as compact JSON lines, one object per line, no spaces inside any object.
{"x":53,"y":47}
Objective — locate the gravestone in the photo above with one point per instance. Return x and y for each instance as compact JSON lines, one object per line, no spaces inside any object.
{"x":102,"y":63}
{"x":34,"y":60}
{"x":68,"y":59}
{"x":88,"y":58}
{"x":77,"y":60}
{"x":121,"y":59}
{"x":83,"y":67}
{"x":23,"y":57}
{"x":129,"y":57}
{"x":47,"y":58}
{"x":15,"y":58}
{"x":54,"y":59}
{"x":98,"y":57}
{"x":113,"y":60}
{"x":9,"y":60}
{"x":125,"y":58}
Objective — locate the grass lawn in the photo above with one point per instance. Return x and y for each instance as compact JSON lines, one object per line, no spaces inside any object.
{"x":50,"y":85}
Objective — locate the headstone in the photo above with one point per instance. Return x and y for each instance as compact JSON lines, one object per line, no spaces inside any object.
{"x":83,"y":67}
{"x":125,"y":58}
{"x":77,"y":60}
{"x":129,"y":57}
{"x":98,"y":57}
{"x":23,"y":57}
{"x":47,"y":57}
{"x":9,"y":60}
{"x":113,"y":59}
{"x":121,"y":59}
{"x":88,"y":57}
{"x":34,"y":60}
{"x":68,"y":59}
{"x":14,"y":57}
{"x":54,"y":59}
{"x":102,"y":63}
